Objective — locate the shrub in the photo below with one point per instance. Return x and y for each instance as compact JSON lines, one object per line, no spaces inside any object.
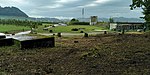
{"x":50,"y":31}
{"x":79,"y":23}
{"x":81,"y":31}
{"x":74,"y":29}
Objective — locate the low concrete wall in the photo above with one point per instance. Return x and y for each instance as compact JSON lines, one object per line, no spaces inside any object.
{"x":1,"y":37}
{"x":37,"y":43}
{"x":6,"y":42}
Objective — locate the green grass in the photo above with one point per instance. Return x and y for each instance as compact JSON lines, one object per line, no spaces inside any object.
{"x":46,"y":24}
{"x":68,"y":28}
{"x":12,"y":28}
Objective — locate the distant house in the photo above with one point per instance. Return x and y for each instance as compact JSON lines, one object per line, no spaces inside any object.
{"x":126,"y":26}
{"x":60,"y":24}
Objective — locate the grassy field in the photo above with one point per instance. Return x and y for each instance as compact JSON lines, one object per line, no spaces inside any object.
{"x":86,"y":28}
{"x":96,"y":55}
{"x":12,"y":28}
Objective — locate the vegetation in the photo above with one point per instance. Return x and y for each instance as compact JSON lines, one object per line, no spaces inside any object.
{"x":13,"y":25}
{"x":111,"y":20}
{"x":12,"y":28}
{"x":79,"y":23}
{"x":96,"y":55}
{"x":76,"y":22}
{"x":86,"y":28}
{"x":19,"y":22}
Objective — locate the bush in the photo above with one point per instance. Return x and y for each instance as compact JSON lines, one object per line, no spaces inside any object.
{"x":81,"y":31}
{"x":50,"y":31}
{"x":75,"y":29}
{"x":79,"y":23}
{"x":86,"y":35}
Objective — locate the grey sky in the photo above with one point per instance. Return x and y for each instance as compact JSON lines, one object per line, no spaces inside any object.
{"x":72,"y":8}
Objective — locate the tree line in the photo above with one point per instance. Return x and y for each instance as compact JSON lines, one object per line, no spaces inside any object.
{"x":77,"y":22}
{"x":19,"y":22}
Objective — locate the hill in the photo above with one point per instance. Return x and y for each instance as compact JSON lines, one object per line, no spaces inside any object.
{"x":45,"y":19}
{"x":12,"y":11}
{"x":16,"y":13}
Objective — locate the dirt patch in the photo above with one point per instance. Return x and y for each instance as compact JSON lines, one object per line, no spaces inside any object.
{"x":95,"y":55}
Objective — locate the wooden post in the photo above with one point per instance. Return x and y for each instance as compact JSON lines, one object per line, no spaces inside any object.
{"x":105,"y":32}
{"x":85,"y":34}
{"x":59,"y":34}
{"x":123,"y":31}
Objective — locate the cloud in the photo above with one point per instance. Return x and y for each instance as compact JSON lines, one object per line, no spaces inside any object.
{"x":72,"y":8}
{"x":95,"y":3}
{"x":65,"y":1}
{"x":52,"y":6}
{"x":101,"y":1}
{"x":58,"y":4}
{"x":11,"y":2}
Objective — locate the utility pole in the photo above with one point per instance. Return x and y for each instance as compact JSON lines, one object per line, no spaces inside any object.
{"x":82,"y":13}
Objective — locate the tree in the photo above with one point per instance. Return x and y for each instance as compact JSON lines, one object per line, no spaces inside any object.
{"x":74,"y":20}
{"x":111,"y":20}
{"x":145,"y":5}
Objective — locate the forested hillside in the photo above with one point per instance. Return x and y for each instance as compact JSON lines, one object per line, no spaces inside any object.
{"x":12,"y":11}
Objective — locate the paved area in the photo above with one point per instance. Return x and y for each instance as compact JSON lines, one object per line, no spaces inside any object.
{"x":71,"y":34}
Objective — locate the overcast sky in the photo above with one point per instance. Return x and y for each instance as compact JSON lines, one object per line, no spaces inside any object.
{"x":72,"y":8}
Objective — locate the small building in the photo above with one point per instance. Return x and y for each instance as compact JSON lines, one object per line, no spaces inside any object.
{"x":113,"y":26}
{"x":94,"y":20}
{"x":60,"y":24}
{"x":118,"y":26}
